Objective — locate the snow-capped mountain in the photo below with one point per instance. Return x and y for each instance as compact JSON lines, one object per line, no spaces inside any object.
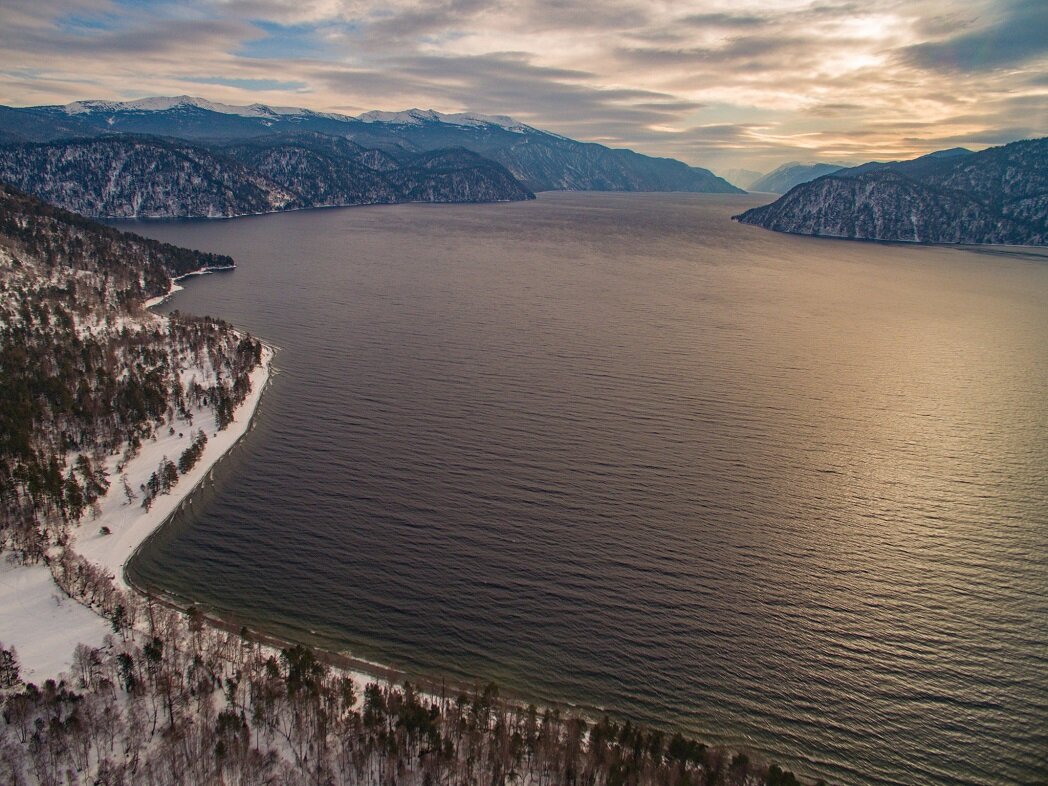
{"x":167,"y":103}
{"x":541,"y":160}
{"x":467,"y":119}
{"x":407,"y":117}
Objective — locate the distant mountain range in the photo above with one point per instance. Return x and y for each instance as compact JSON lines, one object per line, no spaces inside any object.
{"x":785,"y":177}
{"x":998,"y":195}
{"x":741,"y":177}
{"x":254,"y":158}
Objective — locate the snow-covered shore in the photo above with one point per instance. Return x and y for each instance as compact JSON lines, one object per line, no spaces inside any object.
{"x":36,"y":617}
{"x":156,"y":301}
{"x":42,"y":623}
{"x":129,"y":524}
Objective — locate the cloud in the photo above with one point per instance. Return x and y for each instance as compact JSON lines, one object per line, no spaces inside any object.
{"x":507,"y":82}
{"x":724,"y":21}
{"x":757,"y":53}
{"x":426,"y":20}
{"x":1017,"y":35}
{"x":246,"y":84}
{"x":745,"y":83}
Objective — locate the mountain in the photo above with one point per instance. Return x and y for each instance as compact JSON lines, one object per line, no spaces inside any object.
{"x":998,"y":195}
{"x":125,"y":176}
{"x":323,"y":170}
{"x":541,"y":160}
{"x":915,"y":166}
{"x":785,"y":177}
{"x":741,"y":177}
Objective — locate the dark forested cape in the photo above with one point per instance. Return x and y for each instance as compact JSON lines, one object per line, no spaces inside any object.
{"x":999,"y":195}
{"x":57,"y":242}
{"x":273,"y":159}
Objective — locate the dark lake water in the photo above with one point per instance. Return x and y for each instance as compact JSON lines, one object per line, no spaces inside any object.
{"x":783,"y":493}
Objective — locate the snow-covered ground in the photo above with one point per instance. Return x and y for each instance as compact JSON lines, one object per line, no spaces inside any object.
{"x":129,"y":523}
{"x":42,"y":624}
{"x":35,"y":615}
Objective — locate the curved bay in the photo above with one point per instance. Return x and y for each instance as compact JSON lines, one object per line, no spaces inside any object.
{"x":780,"y":492}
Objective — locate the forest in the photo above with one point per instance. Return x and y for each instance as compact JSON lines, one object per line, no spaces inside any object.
{"x":85,"y":373}
{"x":170,"y":699}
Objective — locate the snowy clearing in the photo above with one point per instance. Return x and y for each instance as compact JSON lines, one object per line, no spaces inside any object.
{"x":42,"y":623}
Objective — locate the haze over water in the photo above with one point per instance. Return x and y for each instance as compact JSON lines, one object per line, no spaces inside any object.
{"x":778,"y":492}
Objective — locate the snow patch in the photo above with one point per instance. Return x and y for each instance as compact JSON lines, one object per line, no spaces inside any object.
{"x":420,"y":116}
{"x":264,"y":111}
{"x":42,"y":623}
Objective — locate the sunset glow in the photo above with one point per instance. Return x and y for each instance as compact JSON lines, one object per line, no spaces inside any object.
{"x":713,"y":83}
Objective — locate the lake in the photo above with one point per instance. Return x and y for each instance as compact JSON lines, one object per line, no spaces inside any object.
{"x":782,"y":493}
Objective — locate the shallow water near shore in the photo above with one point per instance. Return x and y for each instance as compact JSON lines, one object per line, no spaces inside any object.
{"x":782,"y":493}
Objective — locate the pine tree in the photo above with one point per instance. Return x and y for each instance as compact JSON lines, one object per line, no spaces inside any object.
{"x":9,"y":668}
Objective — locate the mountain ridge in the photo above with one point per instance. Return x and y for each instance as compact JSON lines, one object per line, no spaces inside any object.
{"x":784,"y":177}
{"x":541,"y":160}
{"x":996,"y":196}
{"x":258,"y":110}
{"x":128,"y":176}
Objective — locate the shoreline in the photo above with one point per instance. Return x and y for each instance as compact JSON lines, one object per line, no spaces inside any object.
{"x":166,"y":506}
{"x":165,"y":219}
{"x":156,"y":301}
{"x":438,"y":689}
{"x":215,"y":451}
{"x":128,"y":525}
{"x":38,"y":618}
{"x":1020,"y":249}
{"x":131,"y":529}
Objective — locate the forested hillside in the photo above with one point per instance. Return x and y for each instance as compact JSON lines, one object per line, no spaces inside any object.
{"x":998,"y":195}
{"x":85,"y":374}
{"x":124,"y":176}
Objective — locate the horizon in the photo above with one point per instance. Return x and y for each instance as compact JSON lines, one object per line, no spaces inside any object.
{"x":715,"y":85}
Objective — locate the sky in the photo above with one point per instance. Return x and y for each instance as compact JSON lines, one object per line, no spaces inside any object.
{"x":717,"y":83}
